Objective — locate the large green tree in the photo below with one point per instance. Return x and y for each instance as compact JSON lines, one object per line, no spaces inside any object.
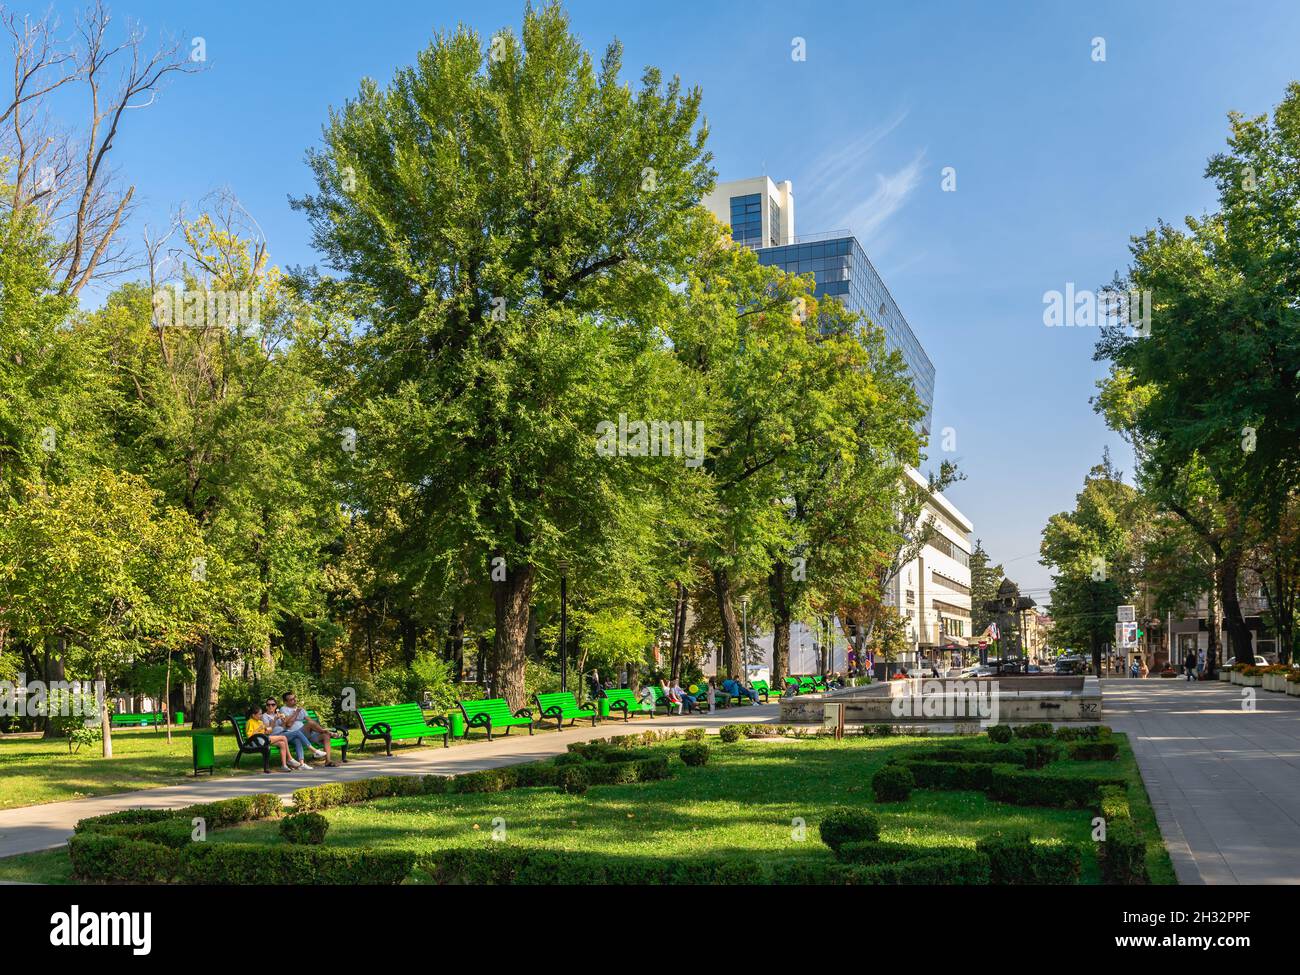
{"x":505,"y":217}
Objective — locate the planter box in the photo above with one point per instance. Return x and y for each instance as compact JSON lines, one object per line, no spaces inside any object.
{"x":1251,"y":681}
{"x":1234,"y":677}
{"x":1293,"y":688}
{"x":1276,"y":682}
{"x":1225,"y":675}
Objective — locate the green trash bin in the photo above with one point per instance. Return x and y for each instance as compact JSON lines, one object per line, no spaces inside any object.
{"x":602,"y":705}
{"x":457,"y":724}
{"x":204,"y":746}
{"x":180,"y":717}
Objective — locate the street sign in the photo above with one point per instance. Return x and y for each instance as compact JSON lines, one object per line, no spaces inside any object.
{"x":1125,"y":614}
{"x":1126,"y":634}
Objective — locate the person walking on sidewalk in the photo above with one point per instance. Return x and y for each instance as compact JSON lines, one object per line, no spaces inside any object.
{"x":1189,"y":664}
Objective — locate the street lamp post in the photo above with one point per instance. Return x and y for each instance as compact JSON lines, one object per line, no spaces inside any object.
{"x":564,"y":624}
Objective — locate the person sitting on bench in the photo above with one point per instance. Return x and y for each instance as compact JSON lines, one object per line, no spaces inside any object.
{"x":256,"y":726}
{"x":733,"y":688}
{"x":274,"y":720}
{"x":317,"y":735}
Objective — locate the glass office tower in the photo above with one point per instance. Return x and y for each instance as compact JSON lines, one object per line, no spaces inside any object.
{"x":842,"y":270}
{"x":761,"y":216}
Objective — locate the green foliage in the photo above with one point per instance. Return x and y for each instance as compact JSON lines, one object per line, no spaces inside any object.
{"x":308,"y":827}
{"x":1014,"y":858}
{"x":893,"y":783}
{"x":846,"y":824}
{"x":1039,"y":729}
{"x":1000,"y":733}
{"x":694,"y":753}
{"x":729,"y":733}
{"x":574,"y":780}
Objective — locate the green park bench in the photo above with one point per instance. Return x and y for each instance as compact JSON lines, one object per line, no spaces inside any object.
{"x":761,"y":686}
{"x":661,"y":699}
{"x":136,"y":720}
{"x":819,"y":682}
{"x":792,"y":684}
{"x":807,"y":685}
{"x":626,"y":701}
{"x":561,"y":705}
{"x":258,"y":745}
{"x":494,"y":712}
{"x":400,"y":722}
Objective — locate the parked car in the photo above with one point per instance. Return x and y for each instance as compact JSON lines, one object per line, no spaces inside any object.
{"x":1259,"y":661}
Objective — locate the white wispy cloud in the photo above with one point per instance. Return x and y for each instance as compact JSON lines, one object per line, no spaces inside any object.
{"x":833,"y":184}
{"x":868,"y":216}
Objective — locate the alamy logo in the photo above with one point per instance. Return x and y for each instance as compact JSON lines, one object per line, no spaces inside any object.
{"x":651,"y":438}
{"x":1081,"y":308}
{"x":103,"y":929}
{"x":61,"y":698}
{"x":956,"y":699}
{"x":238,"y":311}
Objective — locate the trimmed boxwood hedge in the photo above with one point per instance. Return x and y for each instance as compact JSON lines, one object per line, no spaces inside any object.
{"x":1122,"y":855}
{"x":1024,"y":788}
{"x":893,"y":783}
{"x":249,"y":864}
{"x":502,"y":863}
{"x":846,"y":824}
{"x":1094,"y":751}
{"x":308,"y":828}
{"x":951,"y":776}
{"x":1015,"y":859}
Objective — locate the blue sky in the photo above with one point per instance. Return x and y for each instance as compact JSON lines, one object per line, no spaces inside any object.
{"x":1058,"y":158}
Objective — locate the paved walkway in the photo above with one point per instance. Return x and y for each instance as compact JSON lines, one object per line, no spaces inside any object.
{"x":32,"y":828}
{"x":1225,"y":782}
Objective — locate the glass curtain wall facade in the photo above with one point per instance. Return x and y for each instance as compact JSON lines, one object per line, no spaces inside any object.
{"x":841,"y":269}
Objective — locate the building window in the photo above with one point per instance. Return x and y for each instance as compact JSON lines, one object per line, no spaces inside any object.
{"x":941,"y":544}
{"x":946,"y":583}
{"x":773,"y":223}
{"x":747,"y":220}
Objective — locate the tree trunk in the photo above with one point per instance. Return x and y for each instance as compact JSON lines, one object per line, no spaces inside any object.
{"x":456,"y":643}
{"x":1238,"y":632}
{"x":512,"y":597}
{"x":732,"y":660}
{"x":409,"y":635}
{"x":1211,"y":624}
{"x":679,"y":634}
{"x":207,"y":681}
{"x":167,"y":698}
{"x":104,"y":721}
{"x":780,"y":626}
{"x":316,"y":662}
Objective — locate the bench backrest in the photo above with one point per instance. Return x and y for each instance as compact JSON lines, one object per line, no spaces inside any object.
{"x":760,"y":686}
{"x":628,"y":696}
{"x":561,"y":699}
{"x":394,"y":715}
{"x":807,"y":682}
{"x":496,"y":708}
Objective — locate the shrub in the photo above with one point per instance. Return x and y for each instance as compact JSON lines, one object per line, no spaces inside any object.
{"x":878,"y":730}
{"x":500,"y":863}
{"x":1040,"y":729}
{"x":988,"y":754}
{"x":318,"y":797}
{"x":1122,"y":856}
{"x":845,"y":824}
{"x":249,"y":864}
{"x":1000,"y":733}
{"x":104,"y":857}
{"x":308,"y":828}
{"x":694,"y":753}
{"x":488,"y":780}
{"x":870,"y":853}
{"x":893,"y":783}
{"x":1090,"y":732}
{"x":574,"y":780}
{"x":1015,"y":859}
{"x":1112,"y":802}
{"x":951,"y":775}
{"x":1040,"y":789}
{"x":1094,"y":751}
{"x":731,"y":732}
{"x":538,"y":773}
{"x":436,"y":785}
{"x":693,"y":734}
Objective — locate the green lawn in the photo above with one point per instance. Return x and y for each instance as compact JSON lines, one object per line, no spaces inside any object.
{"x":745,"y":801}
{"x":35,"y":771}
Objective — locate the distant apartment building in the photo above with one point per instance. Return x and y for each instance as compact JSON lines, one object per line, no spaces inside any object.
{"x":932,"y":592}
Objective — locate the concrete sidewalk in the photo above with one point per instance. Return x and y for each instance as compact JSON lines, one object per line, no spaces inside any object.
{"x":41,"y":827}
{"x":1224,"y":781}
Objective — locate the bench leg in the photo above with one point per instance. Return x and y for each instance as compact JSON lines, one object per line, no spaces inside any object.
{"x":446,"y":740}
{"x":388,"y":744}
{"x":266,"y":760}
{"x":530,"y":728}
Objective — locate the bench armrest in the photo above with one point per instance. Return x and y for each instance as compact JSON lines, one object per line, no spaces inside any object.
{"x":480,"y":720}
{"x":439,"y":721}
{"x":554,"y":711}
{"x":524,"y":713}
{"x":380,"y":729}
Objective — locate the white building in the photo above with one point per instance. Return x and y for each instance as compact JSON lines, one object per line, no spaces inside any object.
{"x":932,"y":592}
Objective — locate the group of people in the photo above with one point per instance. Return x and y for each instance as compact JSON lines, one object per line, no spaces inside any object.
{"x":289,"y":725}
{"x":679,"y":700}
